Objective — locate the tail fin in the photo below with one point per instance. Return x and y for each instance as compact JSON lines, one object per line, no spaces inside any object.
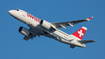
{"x":80,"y":33}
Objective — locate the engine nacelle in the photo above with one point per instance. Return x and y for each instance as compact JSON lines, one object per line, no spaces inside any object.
{"x":24,"y":31}
{"x":47,"y":26}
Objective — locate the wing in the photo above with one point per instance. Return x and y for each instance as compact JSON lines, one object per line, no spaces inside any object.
{"x":86,"y":41}
{"x":69,"y":23}
{"x":32,"y":34}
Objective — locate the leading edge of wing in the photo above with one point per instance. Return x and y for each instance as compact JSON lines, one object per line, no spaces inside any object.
{"x":69,"y":23}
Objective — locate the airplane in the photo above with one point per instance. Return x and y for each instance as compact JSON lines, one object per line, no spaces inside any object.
{"x":40,"y":27}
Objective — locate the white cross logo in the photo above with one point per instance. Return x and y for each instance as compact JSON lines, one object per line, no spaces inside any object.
{"x":80,"y":33}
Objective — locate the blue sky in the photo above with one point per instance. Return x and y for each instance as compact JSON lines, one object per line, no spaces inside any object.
{"x":12,"y":45}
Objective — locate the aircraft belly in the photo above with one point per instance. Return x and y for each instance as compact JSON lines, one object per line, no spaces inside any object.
{"x":63,"y":39}
{"x":72,"y":43}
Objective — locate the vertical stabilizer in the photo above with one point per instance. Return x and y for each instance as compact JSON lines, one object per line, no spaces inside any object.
{"x":80,"y":33}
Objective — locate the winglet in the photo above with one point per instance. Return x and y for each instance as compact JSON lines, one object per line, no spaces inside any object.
{"x":89,"y":18}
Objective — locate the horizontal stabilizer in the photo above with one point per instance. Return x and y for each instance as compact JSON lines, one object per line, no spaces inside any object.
{"x":86,"y":41}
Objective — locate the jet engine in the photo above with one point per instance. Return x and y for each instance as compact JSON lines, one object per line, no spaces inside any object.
{"x":24,"y":31}
{"x":47,"y":26}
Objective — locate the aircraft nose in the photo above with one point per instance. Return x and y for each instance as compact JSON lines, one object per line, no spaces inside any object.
{"x":11,"y":12}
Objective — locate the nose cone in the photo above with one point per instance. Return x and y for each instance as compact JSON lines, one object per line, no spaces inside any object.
{"x":11,"y":12}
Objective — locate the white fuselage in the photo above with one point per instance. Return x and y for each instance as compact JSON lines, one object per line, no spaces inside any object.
{"x":33,"y":23}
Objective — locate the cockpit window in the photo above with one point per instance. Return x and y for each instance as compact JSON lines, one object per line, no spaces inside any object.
{"x":17,"y":9}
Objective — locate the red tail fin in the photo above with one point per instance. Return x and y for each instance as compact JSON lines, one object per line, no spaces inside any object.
{"x":80,"y":33}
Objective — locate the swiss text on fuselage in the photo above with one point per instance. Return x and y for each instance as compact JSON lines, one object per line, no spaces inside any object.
{"x":33,"y":17}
